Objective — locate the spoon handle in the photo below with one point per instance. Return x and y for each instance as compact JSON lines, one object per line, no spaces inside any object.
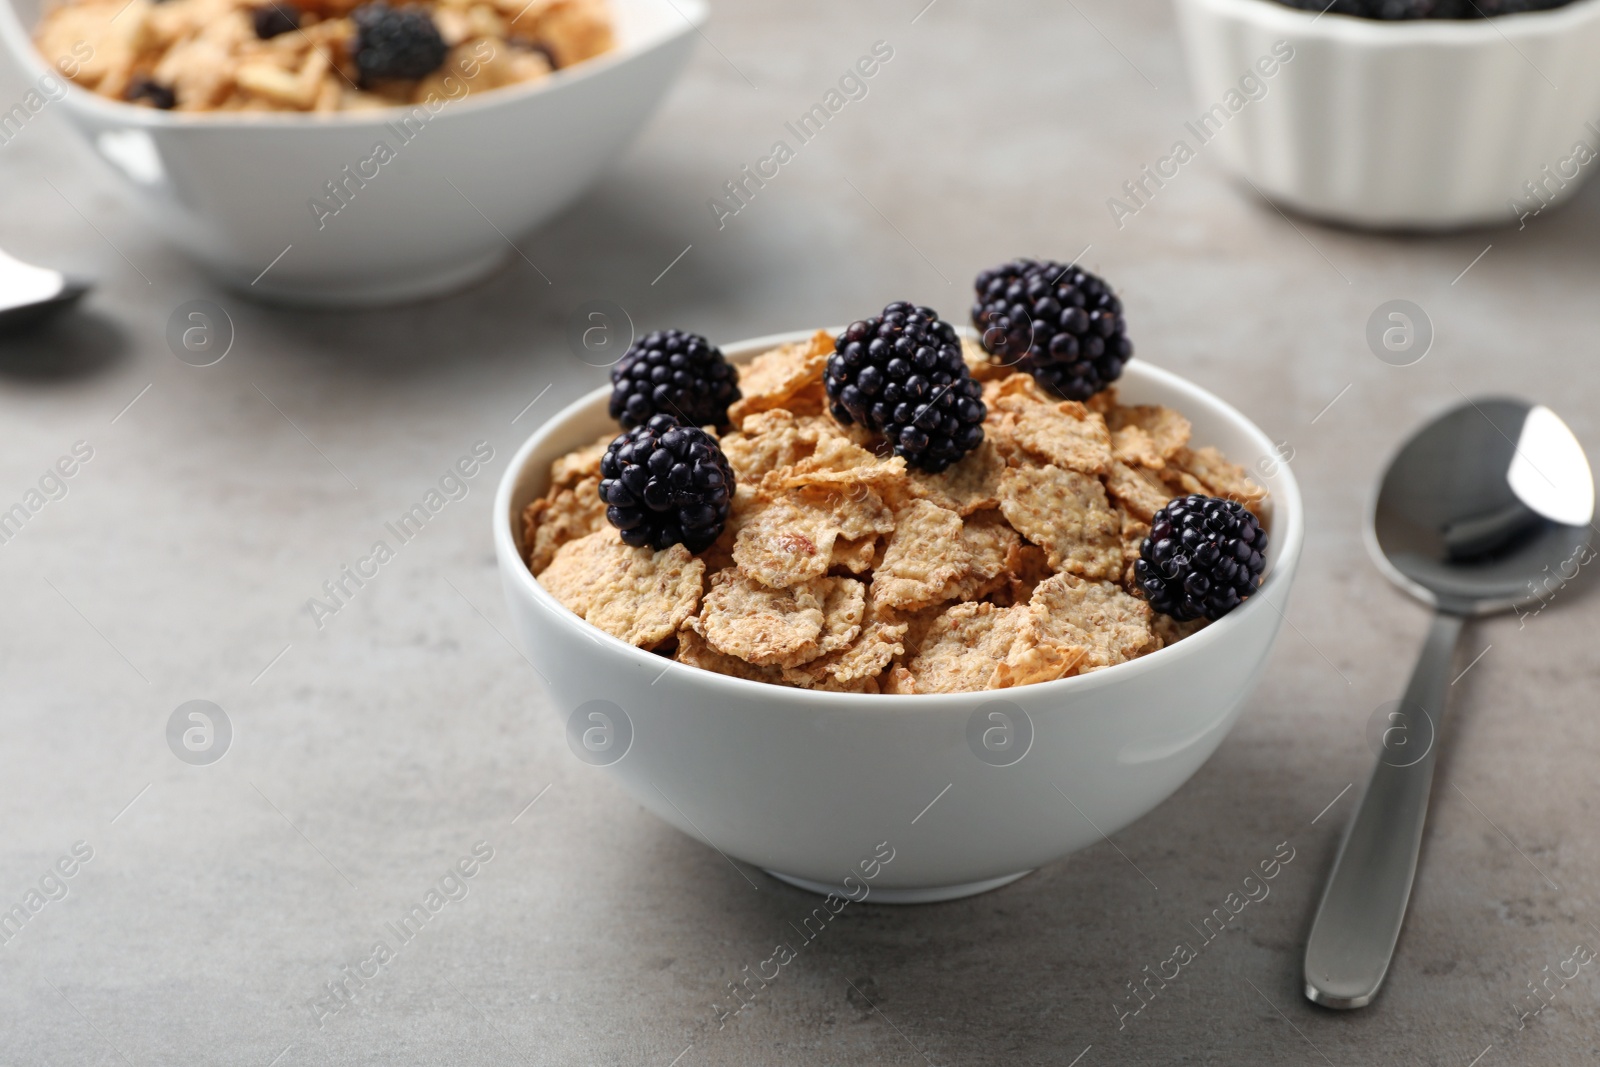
{"x":1358,"y":922}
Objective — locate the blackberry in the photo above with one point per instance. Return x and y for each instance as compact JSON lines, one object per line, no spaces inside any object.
{"x":1394,"y":10}
{"x":666,"y":484}
{"x":1060,"y":324}
{"x":674,"y":373}
{"x":391,"y":43}
{"x":1203,"y":556}
{"x":901,"y":374}
{"x":153,"y":92}
{"x":272,"y":19}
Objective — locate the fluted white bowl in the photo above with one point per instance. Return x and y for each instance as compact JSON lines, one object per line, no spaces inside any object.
{"x":236,"y":190}
{"x":811,"y":785}
{"x":1424,"y":124}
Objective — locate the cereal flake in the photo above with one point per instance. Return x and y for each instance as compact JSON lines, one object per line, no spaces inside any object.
{"x":693,"y":650}
{"x":1147,"y":435}
{"x":973,"y":647}
{"x":1106,"y":622}
{"x":1141,"y":491}
{"x":1065,"y":434}
{"x":761,"y":625}
{"x":574,"y":467}
{"x":773,"y":378}
{"x":634,"y":594}
{"x":968,"y":485}
{"x":863,"y":660}
{"x":789,"y":537}
{"x":1217,"y":476}
{"x":1066,"y":513}
{"x":993,"y":549}
{"x":566,"y":515}
{"x":924,"y":555}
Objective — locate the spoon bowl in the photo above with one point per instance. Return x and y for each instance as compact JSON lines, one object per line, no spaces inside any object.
{"x":29,"y":293}
{"x":1482,"y":505}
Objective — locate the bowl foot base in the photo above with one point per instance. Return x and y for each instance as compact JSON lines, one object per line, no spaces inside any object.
{"x":931,"y":895}
{"x":437,"y":281}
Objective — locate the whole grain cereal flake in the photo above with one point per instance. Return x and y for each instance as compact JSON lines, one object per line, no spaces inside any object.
{"x":1108,"y":624}
{"x":860,"y":661}
{"x":765,"y":626}
{"x":787,"y":540}
{"x":1066,"y":513}
{"x":772,"y":378}
{"x":1133,"y":445}
{"x":844,"y":607}
{"x":779,"y":627}
{"x":972,"y":647}
{"x":769,"y":440}
{"x":573,"y":467}
{"x":565,"y":515}
{"x":789,"y":537}
{"x":898,"y":679}
{"x":842,"y":465}
{"x":856,"y":555}
{"x":1066,"y":433}
{"x":917,"y":624}
{"x":1141,"y":491}
{"x":639,"y":596}
{"x":993,"y":551}
{"x":970,"y":484}
{"x":924,"y":555}
{"x":1147,"y":434}
{"x":1217,"y":476}
{"x":695,"y":652}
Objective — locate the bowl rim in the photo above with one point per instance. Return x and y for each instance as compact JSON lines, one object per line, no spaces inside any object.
{"x":1352,"y":29}
{"x":19,"y":42}
{"x":1288,"y":531}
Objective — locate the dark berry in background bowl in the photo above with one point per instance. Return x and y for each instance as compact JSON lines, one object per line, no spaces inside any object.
{"x":396,"y":42}
{"x":1397,"y":10}
{"x":274,"y":19}
{"x":146,"y":90}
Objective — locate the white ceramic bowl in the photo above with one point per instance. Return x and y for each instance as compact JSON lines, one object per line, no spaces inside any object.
{"x":235,"y":190}
{"x":807,"y":785}
{"x":1425,"y":124}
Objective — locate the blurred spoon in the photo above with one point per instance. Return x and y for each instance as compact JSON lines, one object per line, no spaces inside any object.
{"x":29,"y":293}
{"x":1475,"y":514}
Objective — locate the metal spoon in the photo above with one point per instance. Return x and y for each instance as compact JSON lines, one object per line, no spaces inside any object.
{"x":29,"y":293}
{"x":1485,"y":509}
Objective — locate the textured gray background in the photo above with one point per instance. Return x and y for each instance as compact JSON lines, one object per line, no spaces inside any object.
{"x":373,"y":754}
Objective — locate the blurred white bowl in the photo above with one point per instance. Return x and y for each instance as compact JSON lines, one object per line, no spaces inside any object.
{"x":1425,"y":124}
{"x":236,"y":190}
{"x":808,"y":784}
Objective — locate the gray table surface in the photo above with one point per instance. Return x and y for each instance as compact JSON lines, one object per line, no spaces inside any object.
{"x":370,"y":755}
